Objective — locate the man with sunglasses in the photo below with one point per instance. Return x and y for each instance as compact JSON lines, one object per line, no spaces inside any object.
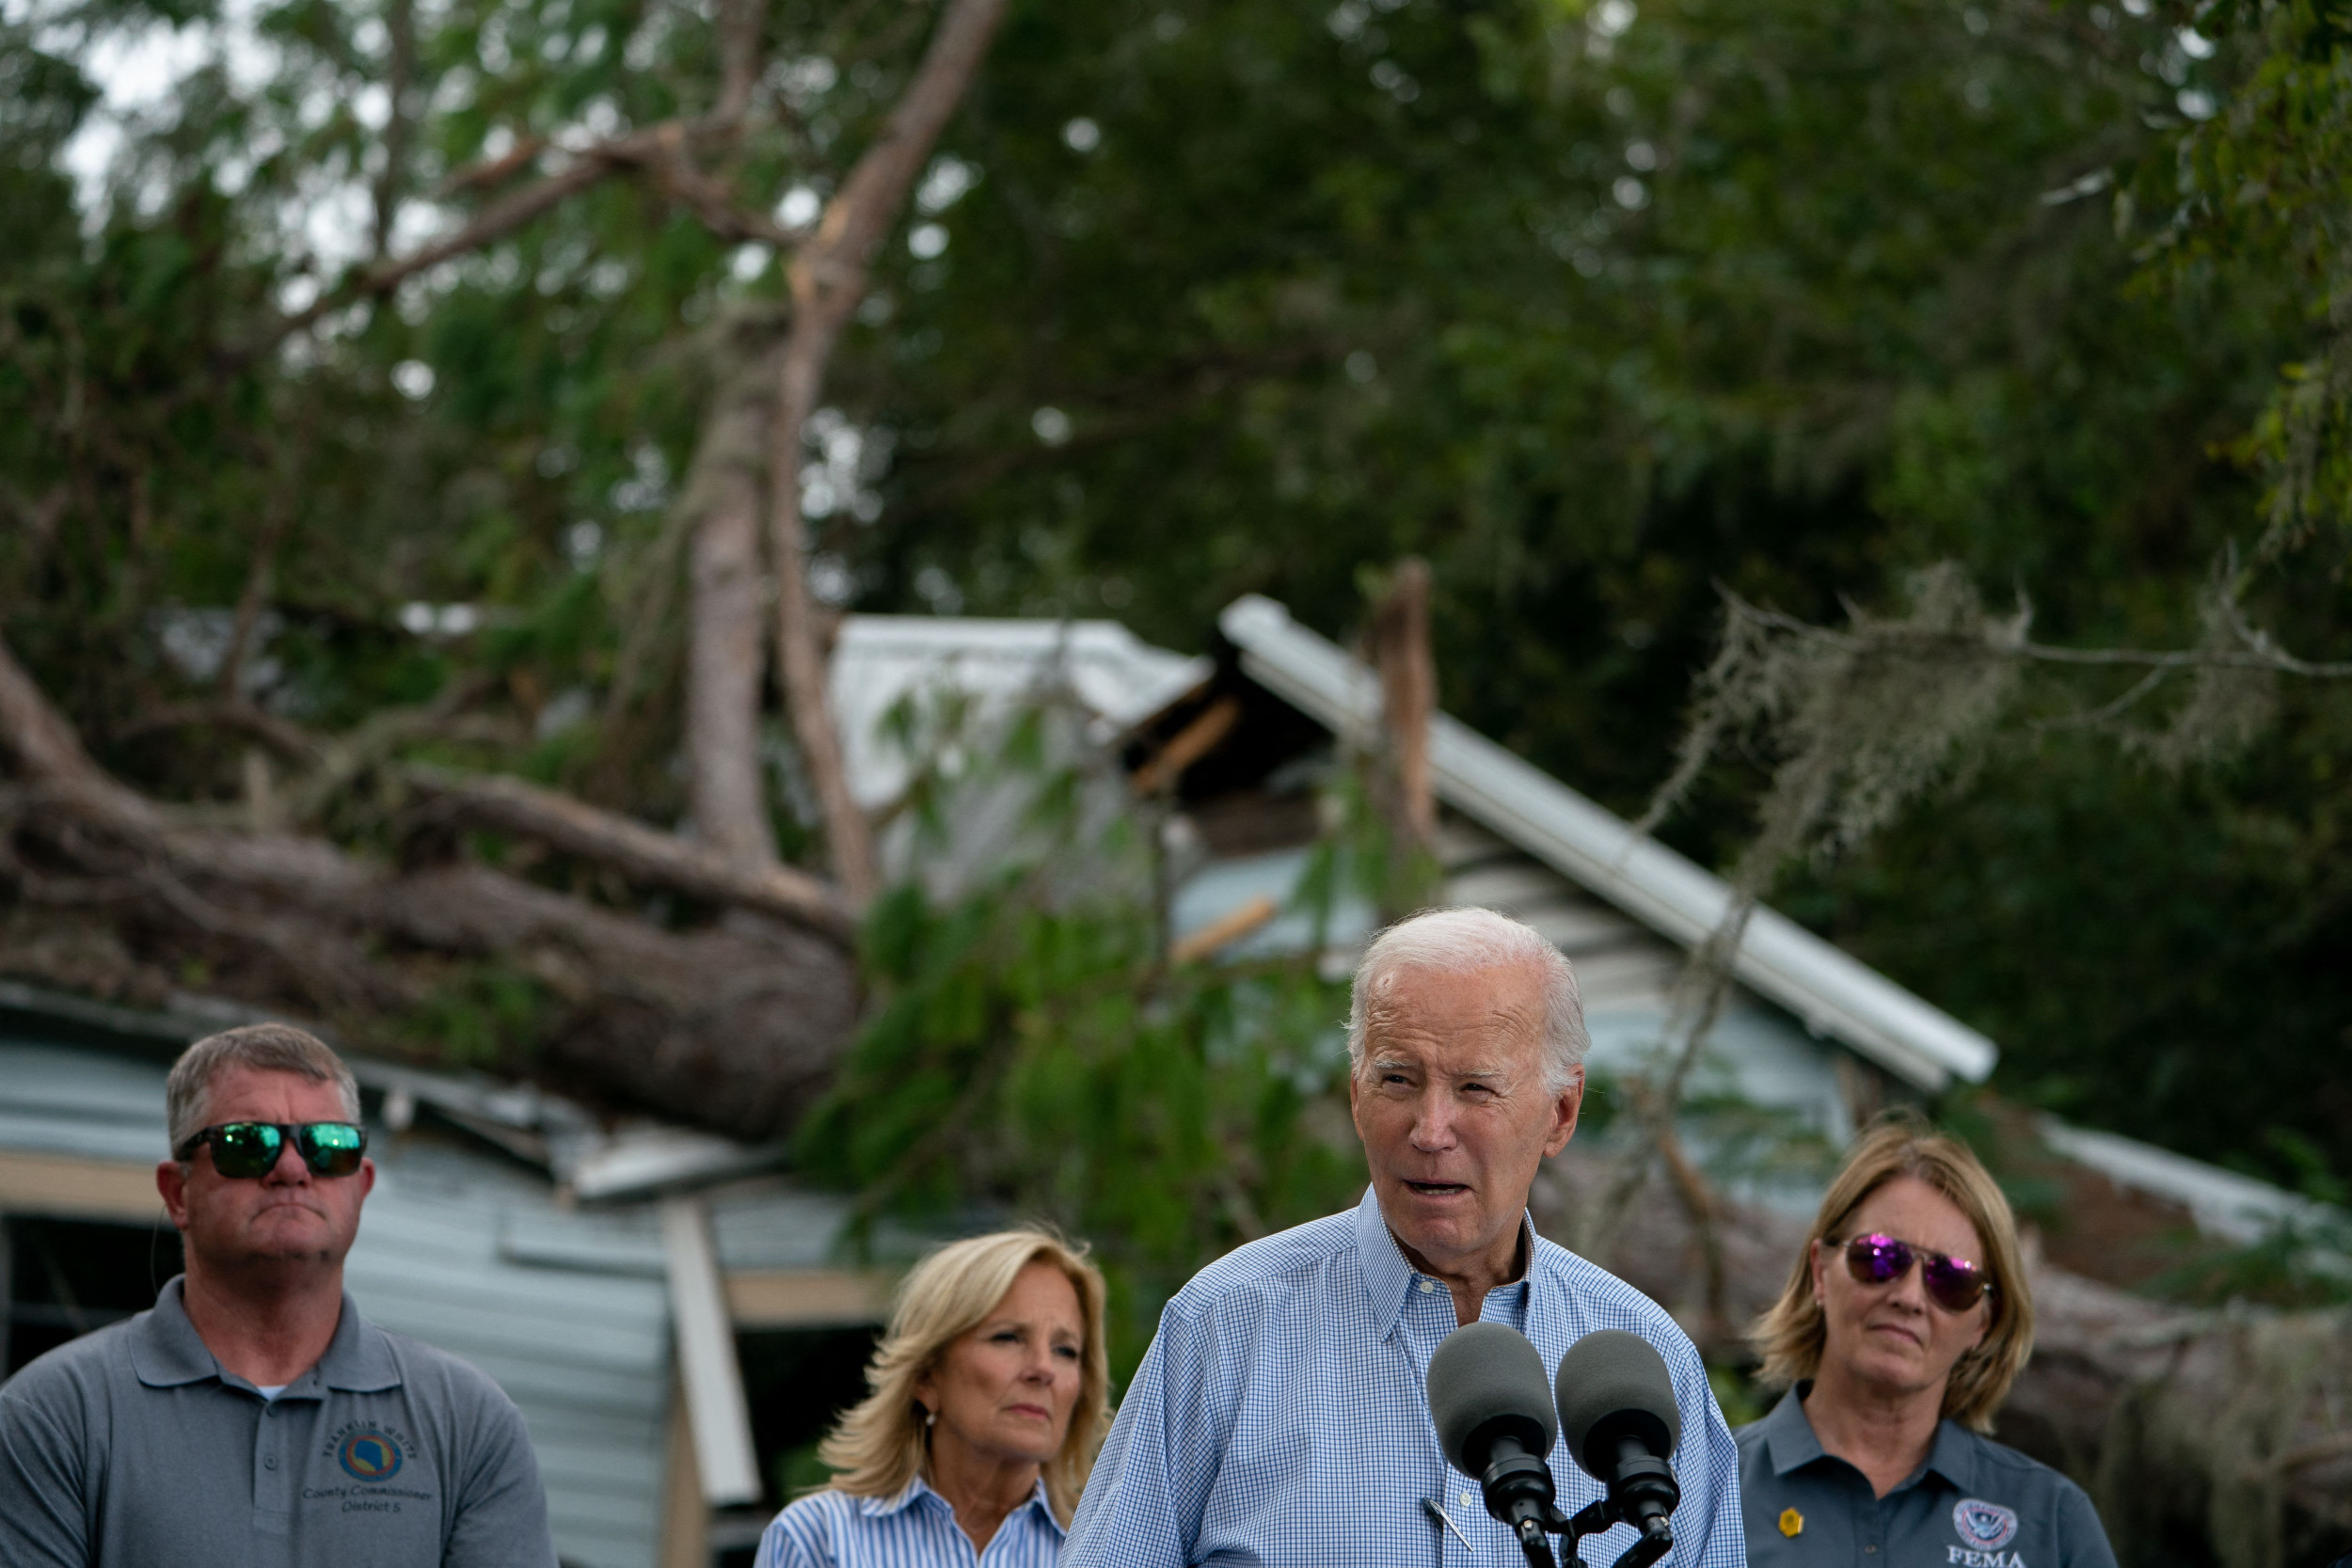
{"x":253,"y":1416}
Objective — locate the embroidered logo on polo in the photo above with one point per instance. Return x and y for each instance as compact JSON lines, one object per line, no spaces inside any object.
{"x":1987,"y":1527}
{"x":368,"y":1451}
{"x":369,"y":1454}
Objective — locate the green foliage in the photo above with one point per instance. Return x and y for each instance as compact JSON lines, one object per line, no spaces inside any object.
{"x":2268,"y":181}
{"x":482,"y":1015}
{"x":1029,"y":1051}
{"x":1041,"y":1062}
{"x":1794,"y":295}
{"x":2293,"y":1266}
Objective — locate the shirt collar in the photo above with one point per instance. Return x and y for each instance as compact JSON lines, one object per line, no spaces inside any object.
{"x":918,"y":1489}
{"x":1788,"y":1435}
{"x":1389,"y":1278}
{"x":168,"y":1353}
{"x":165,"y":1349}
{"x":1954,"y":1455}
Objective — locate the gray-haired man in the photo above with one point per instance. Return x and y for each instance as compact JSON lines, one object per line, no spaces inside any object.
{"x":1279,"y":1416}
{"x":253,"y":1416}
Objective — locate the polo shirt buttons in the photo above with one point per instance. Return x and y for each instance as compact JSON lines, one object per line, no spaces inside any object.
{"x":269,"y":1462}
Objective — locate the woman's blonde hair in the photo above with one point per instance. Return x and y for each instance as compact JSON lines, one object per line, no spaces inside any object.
{"x":1789,"y":1336}
{"x":881,"y":1444}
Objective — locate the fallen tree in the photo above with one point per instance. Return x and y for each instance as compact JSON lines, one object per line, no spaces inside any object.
{"x":732,"y":1019}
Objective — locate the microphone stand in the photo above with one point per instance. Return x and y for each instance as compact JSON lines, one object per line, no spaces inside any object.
{"x":1642,"y":1494}
{"x":1657,"y":1538}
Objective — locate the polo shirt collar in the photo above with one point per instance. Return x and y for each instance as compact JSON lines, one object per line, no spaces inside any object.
{"x":1787,"y":1434}
{"x":168,"y":1353}
{"x":1389,"y":1278}
{"x":166,"y":1349}
{"x":918,"y":1489}
{"x":1954,"y":1455}
{"x":1789,"y":1437}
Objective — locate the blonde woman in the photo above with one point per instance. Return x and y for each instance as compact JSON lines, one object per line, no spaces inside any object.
{"x":990,"y":1391}
{"x":1904,"y":1322}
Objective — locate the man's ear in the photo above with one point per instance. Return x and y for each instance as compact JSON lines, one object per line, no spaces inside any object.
{"x":1565,"y":1109}
{"x":171,"y":1180}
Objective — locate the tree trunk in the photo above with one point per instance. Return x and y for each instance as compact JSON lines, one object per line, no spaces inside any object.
{"x":725,"y":628}
{"x":828,"y":278}
{"x":1408,"y":699}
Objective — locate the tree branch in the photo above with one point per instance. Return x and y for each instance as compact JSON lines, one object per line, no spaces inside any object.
{"x":741,"y":22}
{"x":2259,"y":653}
{"x":510,"y":805}
{"x":648,"y":148}
{"x":828,"y":278}
{"x":289,"y":740}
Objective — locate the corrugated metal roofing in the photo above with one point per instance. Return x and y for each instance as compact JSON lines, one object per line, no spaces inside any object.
{"x":1118,"y":678}
{"x":1833,"y":992}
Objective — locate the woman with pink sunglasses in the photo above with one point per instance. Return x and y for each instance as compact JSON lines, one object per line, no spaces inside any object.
{"x":1904,"y":1322}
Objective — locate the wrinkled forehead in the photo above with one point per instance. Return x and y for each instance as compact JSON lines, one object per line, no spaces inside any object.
{"x":1496,"y":1008}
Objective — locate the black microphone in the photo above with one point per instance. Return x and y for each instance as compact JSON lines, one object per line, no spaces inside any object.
{"x":1495,"y":1421}
{"x":1617,"y":1408}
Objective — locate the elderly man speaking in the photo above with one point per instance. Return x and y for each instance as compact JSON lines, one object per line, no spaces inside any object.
{"x":1280,"y":1416}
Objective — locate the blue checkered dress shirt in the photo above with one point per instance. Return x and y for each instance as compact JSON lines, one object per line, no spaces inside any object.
{"x":1280,"y":1416}
{"x":914,"y":1529}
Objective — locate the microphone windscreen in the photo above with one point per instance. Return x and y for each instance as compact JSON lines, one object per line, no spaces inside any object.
{"x":1484,"y":1371}
{"x":1613,"y":1384}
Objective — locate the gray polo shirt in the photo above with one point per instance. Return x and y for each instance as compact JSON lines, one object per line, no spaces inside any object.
{"x":131,"y":1448}
{"x":1973,"y":1504}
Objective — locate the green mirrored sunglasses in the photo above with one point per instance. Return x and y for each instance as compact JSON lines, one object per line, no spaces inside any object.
{"x":250,"y":1149}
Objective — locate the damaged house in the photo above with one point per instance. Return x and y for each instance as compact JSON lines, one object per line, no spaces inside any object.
{"x":672,"y":1314}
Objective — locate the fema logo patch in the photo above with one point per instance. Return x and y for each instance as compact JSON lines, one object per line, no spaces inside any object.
{"x":1987,"y":1527}
{"x":368,"y":1454}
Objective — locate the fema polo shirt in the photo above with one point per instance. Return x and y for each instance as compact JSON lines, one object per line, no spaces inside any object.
{"x":1973,"y":1504}
{"x":131,"y":1448}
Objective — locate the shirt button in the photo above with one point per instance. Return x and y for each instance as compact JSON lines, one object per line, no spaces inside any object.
{"x":1469,"y":1499}
{"x":1428,"y":1286}
{"x":1869,"y":1548}
{"x":270,"y":1462}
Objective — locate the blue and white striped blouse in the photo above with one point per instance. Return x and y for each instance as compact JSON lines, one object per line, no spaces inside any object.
{"x":916,"y":1529}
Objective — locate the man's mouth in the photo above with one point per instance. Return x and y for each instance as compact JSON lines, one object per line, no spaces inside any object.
{"x":1437,"y":1189}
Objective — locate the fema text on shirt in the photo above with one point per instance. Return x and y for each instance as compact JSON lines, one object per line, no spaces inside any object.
{"x":1962,"y":1557}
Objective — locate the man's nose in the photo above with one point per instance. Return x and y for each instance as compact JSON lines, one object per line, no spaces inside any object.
{"x":1433,"y":1120}
{"x":288,"y":1169}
